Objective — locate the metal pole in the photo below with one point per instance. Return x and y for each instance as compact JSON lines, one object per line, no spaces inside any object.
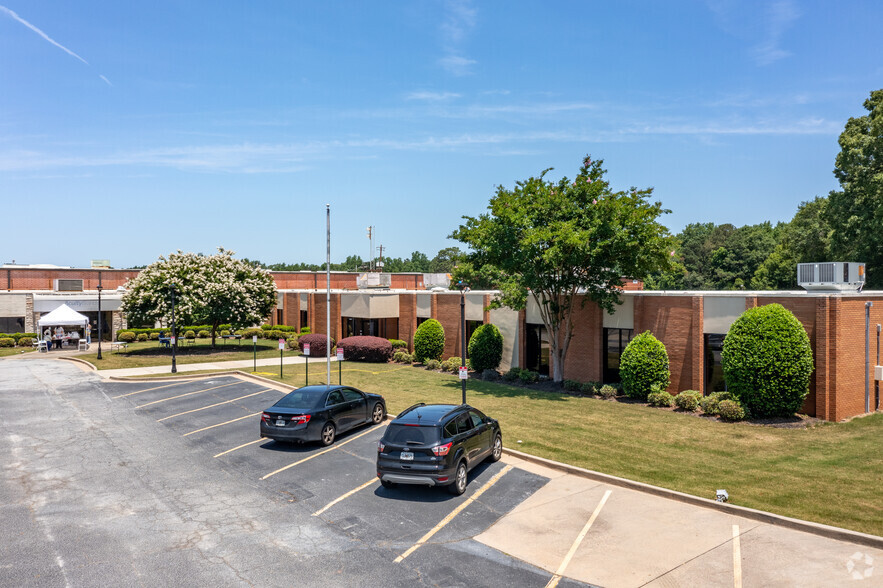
{"x":328,"y":291}
{"x":280,"y":363}
{"x":99,"y":320}
{"x":307,"y":365}
{"x":254,"y":349}
{"x":868,"y":306}
{"x":174,"y":334}
{"x":876,"y":381}
{"x":463,"y":337}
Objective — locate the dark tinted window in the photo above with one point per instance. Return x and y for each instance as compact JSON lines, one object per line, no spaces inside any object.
{"x":464,"y":423}
{"x":334,"y":397}
{"x":301,"y":399}
{"x":476,"y":418}
{"x":407,"y":433}
{"x":350,"y":394}
{"x":451,"y":428}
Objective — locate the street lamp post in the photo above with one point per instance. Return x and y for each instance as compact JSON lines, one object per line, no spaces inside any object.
{"x":463,"y":290}
{"x":99,"y":288}
{"x":174,"y":333}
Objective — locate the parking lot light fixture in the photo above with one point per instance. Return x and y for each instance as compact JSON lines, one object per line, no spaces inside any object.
{"x":174,"y":333}
{"x":99,"y":288}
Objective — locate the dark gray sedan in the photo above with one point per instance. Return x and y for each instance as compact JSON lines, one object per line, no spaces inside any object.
{"x":320,"y":413}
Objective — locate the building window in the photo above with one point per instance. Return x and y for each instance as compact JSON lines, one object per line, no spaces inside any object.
{"x":421,"y":320}
{"x":12,"y":324}
{"x":471,"y":326}
{"x":280,"y":320}
{"x":304,"y":320}
{"x":714,"y":371}
{"x":615,"y":341}
{"x":537,"y":352}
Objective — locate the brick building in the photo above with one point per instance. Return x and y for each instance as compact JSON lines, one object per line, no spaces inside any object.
{"x":692,"y":325}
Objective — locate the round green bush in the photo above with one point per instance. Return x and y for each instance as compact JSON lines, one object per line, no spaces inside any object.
{"x":225,"y":333}
{"x":572,"y":385}
{"x":731,"y":410}
{"x":292,"y":343}
{"x":528,"y":377}
{"x":452,"y":364}
{"x":660,"y":398}
{"x":709,"y":404}
{"x":429,"y":340}
{"x":203,"y":334}
{"x":154,"y":336}
{"x":767,"y":361}
{"x":512,"y":375}
{"x":7,"y":342}
{"x":688,"y":400}
{"x":433,"y":364}
{"x":25,"y":342}
{"x":643,"y":364}
{"x":607,"y":392}
{"x":486,"y":348}
{"x":142,"y":337}
{"x":249,"y":333}
{"x":127,"y":337}
{"x":399,"y":344}
{"x":590,"y":388}
{"x":190,"y":335}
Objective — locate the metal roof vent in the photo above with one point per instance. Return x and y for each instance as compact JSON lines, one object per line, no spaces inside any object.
{"x":834,"y":276}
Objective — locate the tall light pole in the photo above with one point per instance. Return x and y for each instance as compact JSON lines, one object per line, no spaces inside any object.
{"x":463,"y":290}
{"x":174,"y":333}
{"x":99,"y":320}
{"x":328,"y":292}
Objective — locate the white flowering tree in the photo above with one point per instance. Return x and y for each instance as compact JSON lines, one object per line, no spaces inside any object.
{"x":209,"y":289}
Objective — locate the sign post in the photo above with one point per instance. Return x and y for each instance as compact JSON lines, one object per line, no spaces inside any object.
{"x":281,"y":349}
{"x":339,"y":365}
{"x":254,"y":348}
{"x":307,"y":363}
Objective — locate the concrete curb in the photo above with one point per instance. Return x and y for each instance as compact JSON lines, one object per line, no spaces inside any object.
{"x":749,"y":513}
{"x":78,"y":361}
{"x":240,"y":374}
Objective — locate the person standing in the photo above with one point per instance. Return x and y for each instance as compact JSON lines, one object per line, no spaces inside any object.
{"x":59,"y":336}
{"x":47,"y":336}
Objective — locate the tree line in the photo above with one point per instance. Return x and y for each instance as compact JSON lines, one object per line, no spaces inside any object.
{"x":443,"y":262}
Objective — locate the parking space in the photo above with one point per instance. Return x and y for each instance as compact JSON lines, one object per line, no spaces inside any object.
{"x":108,"y":480}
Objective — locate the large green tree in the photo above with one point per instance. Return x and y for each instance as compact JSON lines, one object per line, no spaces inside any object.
{"x":209,"y":289}
{"x":555,"y":241}
{"x":856,"y":211}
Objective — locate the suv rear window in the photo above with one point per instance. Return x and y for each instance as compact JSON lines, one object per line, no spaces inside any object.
{"x":405,"y":433}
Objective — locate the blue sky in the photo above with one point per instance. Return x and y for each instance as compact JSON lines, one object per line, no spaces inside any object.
{"x":143,"y":128}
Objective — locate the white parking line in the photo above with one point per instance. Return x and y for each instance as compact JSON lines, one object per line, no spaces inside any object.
{"x":454,"y":513}
{"x":737,"y":559}
{"x":579,"y":539}
{"x":240,"y":447}
{"x":332,"y":448}
{"x":213,"y":405}
{"x":222,"y":424}
{"x":345,"y":496}
{"x":149,"y":389}
{"x":184,"y":395}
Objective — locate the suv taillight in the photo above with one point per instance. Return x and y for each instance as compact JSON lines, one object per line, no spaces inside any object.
{"x":441,"y":450}
{"x":380,"y":447}
{"x":265,"y":417}
{"x":300,"y":419}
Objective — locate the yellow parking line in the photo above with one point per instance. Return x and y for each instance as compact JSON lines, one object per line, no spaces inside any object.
{"x":579,"y":539}
{"x":737,"y":559}
{"x":240,"y":447}
{"x":344,"y":497}
{"x":332,"y":448}
{"x":213,"y":405}
{"x":188,"y":394}
{"x":148,"y":390}
{"x":454,"y":513}
{"x":221,"y":424}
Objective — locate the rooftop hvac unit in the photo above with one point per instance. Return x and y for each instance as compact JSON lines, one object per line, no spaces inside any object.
{"x":835,"y":276}
{"x":374,"y":280}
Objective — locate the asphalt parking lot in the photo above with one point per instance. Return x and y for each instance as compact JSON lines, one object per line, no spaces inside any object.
{"x":169,"y":483}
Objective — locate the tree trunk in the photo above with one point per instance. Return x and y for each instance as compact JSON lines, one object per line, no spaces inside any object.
{"x":214,"y":332}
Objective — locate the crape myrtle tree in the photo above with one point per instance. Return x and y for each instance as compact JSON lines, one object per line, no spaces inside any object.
{"x":209,"y":289}
{"x":555,"y":241}
{"x":855,"y":213}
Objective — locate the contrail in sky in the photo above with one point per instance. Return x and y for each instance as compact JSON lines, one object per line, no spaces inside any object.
{"x":41,"y":33}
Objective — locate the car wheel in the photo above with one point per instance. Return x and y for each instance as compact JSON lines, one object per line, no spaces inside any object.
{"x":327,"y":435}
{"x":387,"y":484}
{"x":497,"y":451}
{"x":459,"y":485}
{"x":377,"y":414}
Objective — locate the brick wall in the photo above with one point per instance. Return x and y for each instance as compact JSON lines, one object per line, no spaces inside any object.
{"x":317,"y":314}
{"x":43,"y":279}
{"x":446,"y":310}
{"x":671,"y":320}
{"x":407,"y":319}
{"x":584,"y":356}
{"x":291,"y":309}
{"x":849,"y":356}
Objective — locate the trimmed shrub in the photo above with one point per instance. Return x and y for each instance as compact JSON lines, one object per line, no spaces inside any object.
{"x":709,"y":404}
{"x":24,"y":342}
{"x":660,"y":398}
{"x":452,"y":364}
{"x":129,"y":336}
{"x":153,"y":336}
{"x":401,"y":357}
{"x":142,"y":337}
{"x":433,"y":364}
{"x":589,"y":388}
{"x":607,"y":392}
{"x":292,"y":342}
{"x":275,"y":334}
{"x":429,"y":340}
{"x":512,"y":375}
{"x":249,"y":333}
{"x":225,"y":333}
{"x":366,"y":348}
{"x":190,"y":335}
{"x":767,"y":361}
{"x":572,"y":385}
{"x":490,"y":375}
{"x":731,"y":410}
{"x":486,"y":348}
{"x":204,"y":334}
{"x":7,"y":342}
{"x":318,"y":344}
{"x":688,"y":400}
{"x":529,"y":377}
{"x":305,"y":330}
{"x":644,"y":362}
{"x":398,"y":344}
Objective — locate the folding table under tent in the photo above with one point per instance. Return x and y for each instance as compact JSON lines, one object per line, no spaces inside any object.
{"x":64,"y":316}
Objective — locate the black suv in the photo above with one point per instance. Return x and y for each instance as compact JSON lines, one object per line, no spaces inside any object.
{"x":437,"y":445}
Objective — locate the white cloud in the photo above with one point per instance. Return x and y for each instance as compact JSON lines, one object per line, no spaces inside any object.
{"x":432,"y":96}
{"x":457,"y":23}
{"x":41,"y":33}
{"x":457,"y":65}
{"x":761,"y":27}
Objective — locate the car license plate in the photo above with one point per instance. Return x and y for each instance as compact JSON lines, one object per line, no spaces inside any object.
{"x":407,"y":456}
{"x":280,"y":422}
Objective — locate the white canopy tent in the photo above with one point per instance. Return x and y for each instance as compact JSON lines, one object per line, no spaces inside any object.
{"x":64,"y":316}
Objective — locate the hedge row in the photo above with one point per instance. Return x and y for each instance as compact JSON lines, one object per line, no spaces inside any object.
{"x":16,"y":336}
{"x":168,"y":330}
{"x":365,"y":348}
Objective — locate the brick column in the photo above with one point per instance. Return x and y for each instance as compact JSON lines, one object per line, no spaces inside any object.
{"x":30,"y":316}
{"x":822,"y":361}
{"x":698,"y":343}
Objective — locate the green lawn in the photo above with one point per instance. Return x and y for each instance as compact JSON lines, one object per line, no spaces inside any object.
{"x":150,"y":353}
{"x":6,"y":351}
{"x":829,"y":473}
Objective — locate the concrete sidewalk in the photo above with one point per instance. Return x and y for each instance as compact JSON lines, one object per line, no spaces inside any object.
{"x":245,"y":365}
